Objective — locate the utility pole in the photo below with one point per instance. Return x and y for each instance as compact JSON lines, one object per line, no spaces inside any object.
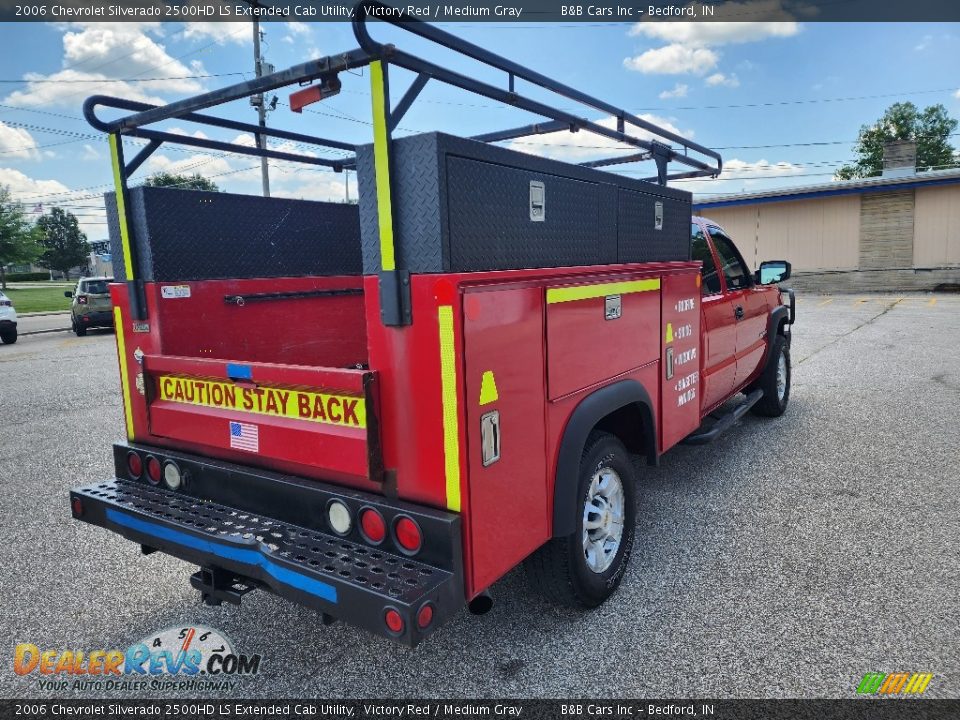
{"x":258,"y":101}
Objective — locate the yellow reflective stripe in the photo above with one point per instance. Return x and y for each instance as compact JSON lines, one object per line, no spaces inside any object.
{"x":121,"y":207}
{"x":451,"y":420}
{"x":381,"y":158}
{"x":124,"y":378}
{"x":584,"y":292}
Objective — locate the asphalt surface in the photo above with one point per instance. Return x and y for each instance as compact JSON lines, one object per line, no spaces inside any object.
{"x":787,"y":559}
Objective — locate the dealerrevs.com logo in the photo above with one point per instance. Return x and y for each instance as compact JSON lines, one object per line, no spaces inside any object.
{"x":178,"y":658}
{"x":901,"y":683}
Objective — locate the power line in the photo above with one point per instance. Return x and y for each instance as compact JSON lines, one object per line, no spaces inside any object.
{"x":118,"y":80}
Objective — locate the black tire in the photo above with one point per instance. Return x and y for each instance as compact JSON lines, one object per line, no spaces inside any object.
{"x":80,"y":330}
{"x":9,"y":337}
{"x":772,"y":404}
{"x":559,"y":569}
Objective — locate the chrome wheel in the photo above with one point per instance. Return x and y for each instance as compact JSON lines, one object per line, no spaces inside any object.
{"x":781,"y":376}
{"x":603,"y":516}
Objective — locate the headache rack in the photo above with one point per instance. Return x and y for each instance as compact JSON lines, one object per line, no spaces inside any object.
{"x":321,"y":78}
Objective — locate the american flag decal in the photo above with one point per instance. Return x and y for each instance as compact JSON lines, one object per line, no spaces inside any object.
{"x":245,"y":436}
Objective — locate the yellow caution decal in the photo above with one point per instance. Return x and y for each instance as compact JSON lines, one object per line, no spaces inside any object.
{"x":276,"y":402}
{"x":585,"y":292}
{"x":668,"y":338}
{"x":488,"y":388}
{"x":451,"y":418}
{"x":124,"y":375}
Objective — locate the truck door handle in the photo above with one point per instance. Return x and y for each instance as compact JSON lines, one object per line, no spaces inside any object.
{"x":739,"y":312}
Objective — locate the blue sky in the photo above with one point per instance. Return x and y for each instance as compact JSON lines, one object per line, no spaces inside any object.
{"x":792,"y":82}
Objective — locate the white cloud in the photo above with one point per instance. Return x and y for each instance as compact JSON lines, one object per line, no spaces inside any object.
{"x":17,"y":143}
{"x":719,"y":79}
{"x":90,"y":153}
{"x":957,"y":94}
{"x":219,"y":32}
{"x":742,"y":175}
{"x":690,"y":46}
{"x":131,"y":50}
{"x":924,"y":43}
{"x":99,"y":58}
{"x":673,"y":60}
{"x":27,"y":189}
{"x":679,"y":91}
{"x":206,"y":165}
{"x":577,"y":147}
{"x":713,"y":34}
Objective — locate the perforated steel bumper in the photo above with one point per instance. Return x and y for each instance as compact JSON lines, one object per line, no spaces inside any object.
{"x":343,"y":577}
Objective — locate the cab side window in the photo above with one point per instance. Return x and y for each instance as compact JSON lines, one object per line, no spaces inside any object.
{"x":733,"y":268}
{"x":700,"y":250}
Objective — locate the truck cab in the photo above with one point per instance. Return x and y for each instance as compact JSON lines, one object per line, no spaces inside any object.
{"x":378,"y":410}
{"x":738,"y":309}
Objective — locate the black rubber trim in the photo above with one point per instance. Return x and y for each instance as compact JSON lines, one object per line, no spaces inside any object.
{"x":779,"y":314}
{"x":591,"y":410}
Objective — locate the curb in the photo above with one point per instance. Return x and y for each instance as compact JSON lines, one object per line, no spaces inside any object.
{"x":43,"y":332}
{"x":44,"y":313}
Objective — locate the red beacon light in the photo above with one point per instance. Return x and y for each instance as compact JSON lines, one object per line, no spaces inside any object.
{"x":328,"y":86}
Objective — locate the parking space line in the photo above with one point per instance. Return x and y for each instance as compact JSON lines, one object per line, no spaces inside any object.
{"x":825,"y":302}
{"x":933,"y":301}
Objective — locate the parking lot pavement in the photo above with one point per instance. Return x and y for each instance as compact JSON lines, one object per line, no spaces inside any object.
{"x":787,"y":559}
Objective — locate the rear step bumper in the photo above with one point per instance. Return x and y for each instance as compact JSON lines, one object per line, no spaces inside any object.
{"x":343,"y":577}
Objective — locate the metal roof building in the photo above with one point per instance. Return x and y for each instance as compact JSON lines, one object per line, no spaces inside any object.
{"x":899,"y":231}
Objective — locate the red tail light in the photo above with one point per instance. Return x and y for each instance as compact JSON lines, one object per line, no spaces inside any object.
{"x":373,"y":527}
{"x":425,"y":616}
{"x":394,"y":621}
{"x":81,"y":299}
{"x":408,"y":534}
{"x":134,"y":465}
{"x":153,"y":470}
{"x":77,"y":506}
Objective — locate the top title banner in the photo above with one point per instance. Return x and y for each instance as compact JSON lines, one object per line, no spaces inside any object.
{"x":612,"y":11}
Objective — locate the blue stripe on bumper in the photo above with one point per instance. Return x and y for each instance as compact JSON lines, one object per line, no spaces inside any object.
{"x":240,"y":555}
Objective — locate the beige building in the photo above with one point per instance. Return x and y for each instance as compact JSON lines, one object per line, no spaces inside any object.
{"x":897,"y":232}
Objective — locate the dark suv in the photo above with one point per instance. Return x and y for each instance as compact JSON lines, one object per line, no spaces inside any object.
{"x":91,"y":304}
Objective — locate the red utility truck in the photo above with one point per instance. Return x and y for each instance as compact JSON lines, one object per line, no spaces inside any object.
{"x":378,"y":410}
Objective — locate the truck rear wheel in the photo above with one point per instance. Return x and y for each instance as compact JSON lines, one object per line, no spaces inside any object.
{"x":584,"y":568}
{"x":775,"y":381}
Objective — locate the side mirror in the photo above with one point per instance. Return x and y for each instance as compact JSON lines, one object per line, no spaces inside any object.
{"x":773,"y":271}
{"x":67,"y":293}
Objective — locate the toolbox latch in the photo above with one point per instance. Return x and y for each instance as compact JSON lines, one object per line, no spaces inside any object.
{"x":538,"y":201}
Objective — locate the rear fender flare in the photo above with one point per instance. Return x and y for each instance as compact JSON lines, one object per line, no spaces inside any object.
{"x":585,"y":417}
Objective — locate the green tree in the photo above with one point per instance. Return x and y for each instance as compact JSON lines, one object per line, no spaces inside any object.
{"x":184,"y":182}
{"x":64,"y":245}
{"x":930,"y":128}
{"x":18,"y":241}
